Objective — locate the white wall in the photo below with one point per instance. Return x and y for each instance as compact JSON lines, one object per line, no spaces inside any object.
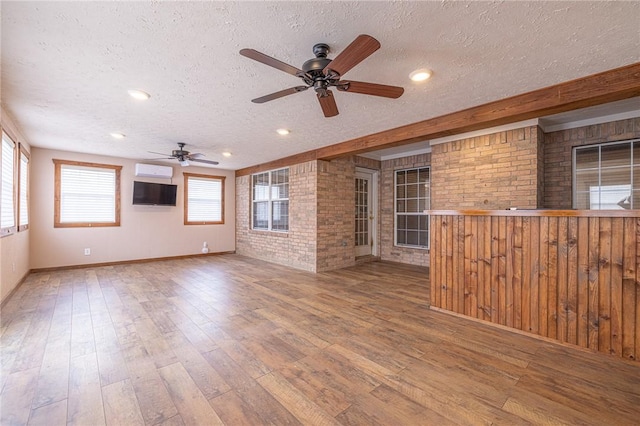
{"x":14,"y":248}
{"x":145,"y":232}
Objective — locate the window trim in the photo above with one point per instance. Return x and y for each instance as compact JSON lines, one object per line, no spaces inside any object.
{"x":186,"y":198}
{"x":574,"y":170}
{"x":270,"y":201}
{"x":57,"y":181}
{"x":10,"y":230}
{"x":395,"y":210}
{"x":23,"y":151}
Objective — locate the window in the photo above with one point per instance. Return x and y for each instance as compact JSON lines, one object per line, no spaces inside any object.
{"x":23,"y":192}
{"x":412,"y":198}
{"x":607,"y":176}
{"x":270,"y":200}
{"x":7,"y":189}
{"x":86,"y":194}
{"x":204,"y":199}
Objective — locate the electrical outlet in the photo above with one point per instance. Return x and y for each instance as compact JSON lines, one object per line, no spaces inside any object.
{"x":87,"y":251}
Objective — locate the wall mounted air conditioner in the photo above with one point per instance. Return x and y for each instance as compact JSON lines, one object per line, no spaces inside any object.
{"x":151,"y":170}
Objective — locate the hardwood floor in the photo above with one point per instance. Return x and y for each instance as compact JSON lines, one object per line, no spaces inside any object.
{"x":236,"y":341}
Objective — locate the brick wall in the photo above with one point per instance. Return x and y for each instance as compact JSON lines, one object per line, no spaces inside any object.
{"x":521,"y":168}
{"x":558,"y":155}
{"x":297,"y":248}
{"x":540,"y":165}
{"x":387,"y":250}
{"x":495,"y":171}
{"x":321,"y":218}
{"x":336,"y":221}
{"x":364,"y":162}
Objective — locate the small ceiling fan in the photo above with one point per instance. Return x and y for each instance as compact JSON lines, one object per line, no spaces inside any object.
{"x":322,"y":73}
{"x":184,"y":157}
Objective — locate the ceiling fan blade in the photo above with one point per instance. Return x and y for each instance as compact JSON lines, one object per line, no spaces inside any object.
{"x":328,"y":104}
{"x":371,"y":89}
{"x":279,"y":94}
{"x":359,"y":49}
{"x":159,"y":153}
{"x":195,"y":155}
{"x":195,"y":160}
{"x":272,"y":62}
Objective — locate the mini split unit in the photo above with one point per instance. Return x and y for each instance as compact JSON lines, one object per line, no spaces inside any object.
{"x":153,"y":171}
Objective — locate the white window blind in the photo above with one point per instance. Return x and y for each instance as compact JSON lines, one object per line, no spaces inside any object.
{"x":7,"y":196}
{"x":23,"y":220}
{"x":87,"y":194}
{"x":204,"y":199}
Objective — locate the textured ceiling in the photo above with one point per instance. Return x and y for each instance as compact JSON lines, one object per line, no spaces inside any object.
{"x":67,"y":66}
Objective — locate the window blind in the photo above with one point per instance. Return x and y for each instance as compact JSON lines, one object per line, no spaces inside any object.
{"x":7,"y":197}
{"x":87,"y":194}
{"x":204,"y":200}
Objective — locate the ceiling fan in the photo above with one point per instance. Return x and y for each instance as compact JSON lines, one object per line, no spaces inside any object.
{"x":322,"y":73}
{"x":184,"y":157}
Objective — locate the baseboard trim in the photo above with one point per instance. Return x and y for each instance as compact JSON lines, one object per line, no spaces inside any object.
{"x":127,"y":262}
{"x":12,"y":292}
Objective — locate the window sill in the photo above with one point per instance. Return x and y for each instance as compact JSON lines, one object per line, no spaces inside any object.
{"x":6,"y":232}
{"x":84,"y":225}
{"x":278,"y":234}
{"x":411,"y":247}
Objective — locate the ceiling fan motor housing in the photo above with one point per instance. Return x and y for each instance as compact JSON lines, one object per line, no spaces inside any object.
{"x":315,"y":66}
{"x":180,"y":152}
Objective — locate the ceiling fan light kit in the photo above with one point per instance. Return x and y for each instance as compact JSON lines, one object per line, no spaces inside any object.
{"x":322,"y":73}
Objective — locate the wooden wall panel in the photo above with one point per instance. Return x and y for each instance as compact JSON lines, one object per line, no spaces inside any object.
{"x":574,"y":278}
{"x":629,"y":289}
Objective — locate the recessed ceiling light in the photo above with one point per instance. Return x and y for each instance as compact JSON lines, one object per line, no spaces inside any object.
{"x":283,"y":132}
{"x":117,"y":135}
{"x":139,"y":94}
{"x":420,"y":75}
{"x":226,"y":154}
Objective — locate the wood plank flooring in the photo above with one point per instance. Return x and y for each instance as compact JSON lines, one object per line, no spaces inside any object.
{"x":237,"y":341}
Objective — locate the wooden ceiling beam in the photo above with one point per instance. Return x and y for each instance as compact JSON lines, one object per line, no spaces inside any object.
{"x":609,"y":86}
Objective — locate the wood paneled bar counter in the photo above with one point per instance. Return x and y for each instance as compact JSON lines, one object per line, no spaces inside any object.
{"x":568,"y":275}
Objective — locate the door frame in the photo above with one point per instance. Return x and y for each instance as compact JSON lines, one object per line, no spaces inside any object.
{"x":374,"y":225}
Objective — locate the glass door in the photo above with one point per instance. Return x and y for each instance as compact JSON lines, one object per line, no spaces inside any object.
{"x":365,"y":217}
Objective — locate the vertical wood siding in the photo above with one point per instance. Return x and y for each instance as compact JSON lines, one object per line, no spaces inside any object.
{"x":575,"y":278}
